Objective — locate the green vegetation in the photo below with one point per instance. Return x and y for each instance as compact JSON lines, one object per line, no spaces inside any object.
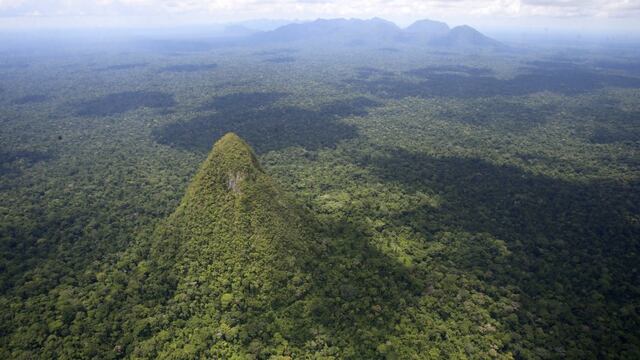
{"x":189,"y":67}
{"x":118,"y":103}
{"x":395,"y":208}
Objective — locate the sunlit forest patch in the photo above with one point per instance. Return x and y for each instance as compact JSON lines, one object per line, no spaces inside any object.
{"x":427,"y":203}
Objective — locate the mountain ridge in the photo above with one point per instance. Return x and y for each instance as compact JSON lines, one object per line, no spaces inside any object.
{"x":376,"y":31}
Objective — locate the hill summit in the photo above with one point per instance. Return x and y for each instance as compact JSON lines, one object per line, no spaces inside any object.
{"x":230,"y":164}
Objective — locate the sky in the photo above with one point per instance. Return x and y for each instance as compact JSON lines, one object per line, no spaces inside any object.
{"x":595,"y":15}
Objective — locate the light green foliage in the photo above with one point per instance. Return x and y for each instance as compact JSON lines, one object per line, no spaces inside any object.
{"x":383,"y":217}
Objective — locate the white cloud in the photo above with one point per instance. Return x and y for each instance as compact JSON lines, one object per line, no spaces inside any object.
{"x":402,"y":10}
{"x":9,"y":4}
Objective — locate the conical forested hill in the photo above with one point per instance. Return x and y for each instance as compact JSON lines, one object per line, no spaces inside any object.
{"x":233,"y":257}
{"x":242,"y":273}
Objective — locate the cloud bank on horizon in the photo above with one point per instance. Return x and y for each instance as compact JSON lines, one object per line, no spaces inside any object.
{"x":234,"y":10}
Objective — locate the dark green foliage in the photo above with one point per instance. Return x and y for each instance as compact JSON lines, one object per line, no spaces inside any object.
{"x":12,"y":161}
{"x":464,"y":82}
{"x":175,"y":46}
{"x":266,"y":128}
{"x":367,"y":72}
{"x":242,"y":101}
{"x":434,"y":70}
{"x":189,"y":68}
{"x":14,"y":65}
{"x":280,"y":60}
{"x":631,"y":66}
{"x":30,"y":99}
{"x":389,"y":50}
{"x":603,"y":135}
{"x":554,"y":65}
{"x":232,"y":253}
{"x":273,"y":52}
{"x":122,"y":67}
{"x":475,"y":207}
{"x":118,"y":103}
{"x":29,"y":157}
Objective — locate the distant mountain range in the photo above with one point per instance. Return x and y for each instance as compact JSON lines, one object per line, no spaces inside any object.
{"x":376,"y":31}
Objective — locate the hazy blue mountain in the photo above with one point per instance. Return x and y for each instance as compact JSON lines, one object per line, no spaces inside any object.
{"x":376,"y":31}
{"x":465,"y":36}
{"x":425,"y":30}
{"x":336,"y":31}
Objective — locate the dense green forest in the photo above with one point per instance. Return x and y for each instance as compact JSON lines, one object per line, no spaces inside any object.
{"x":376,"y":203}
